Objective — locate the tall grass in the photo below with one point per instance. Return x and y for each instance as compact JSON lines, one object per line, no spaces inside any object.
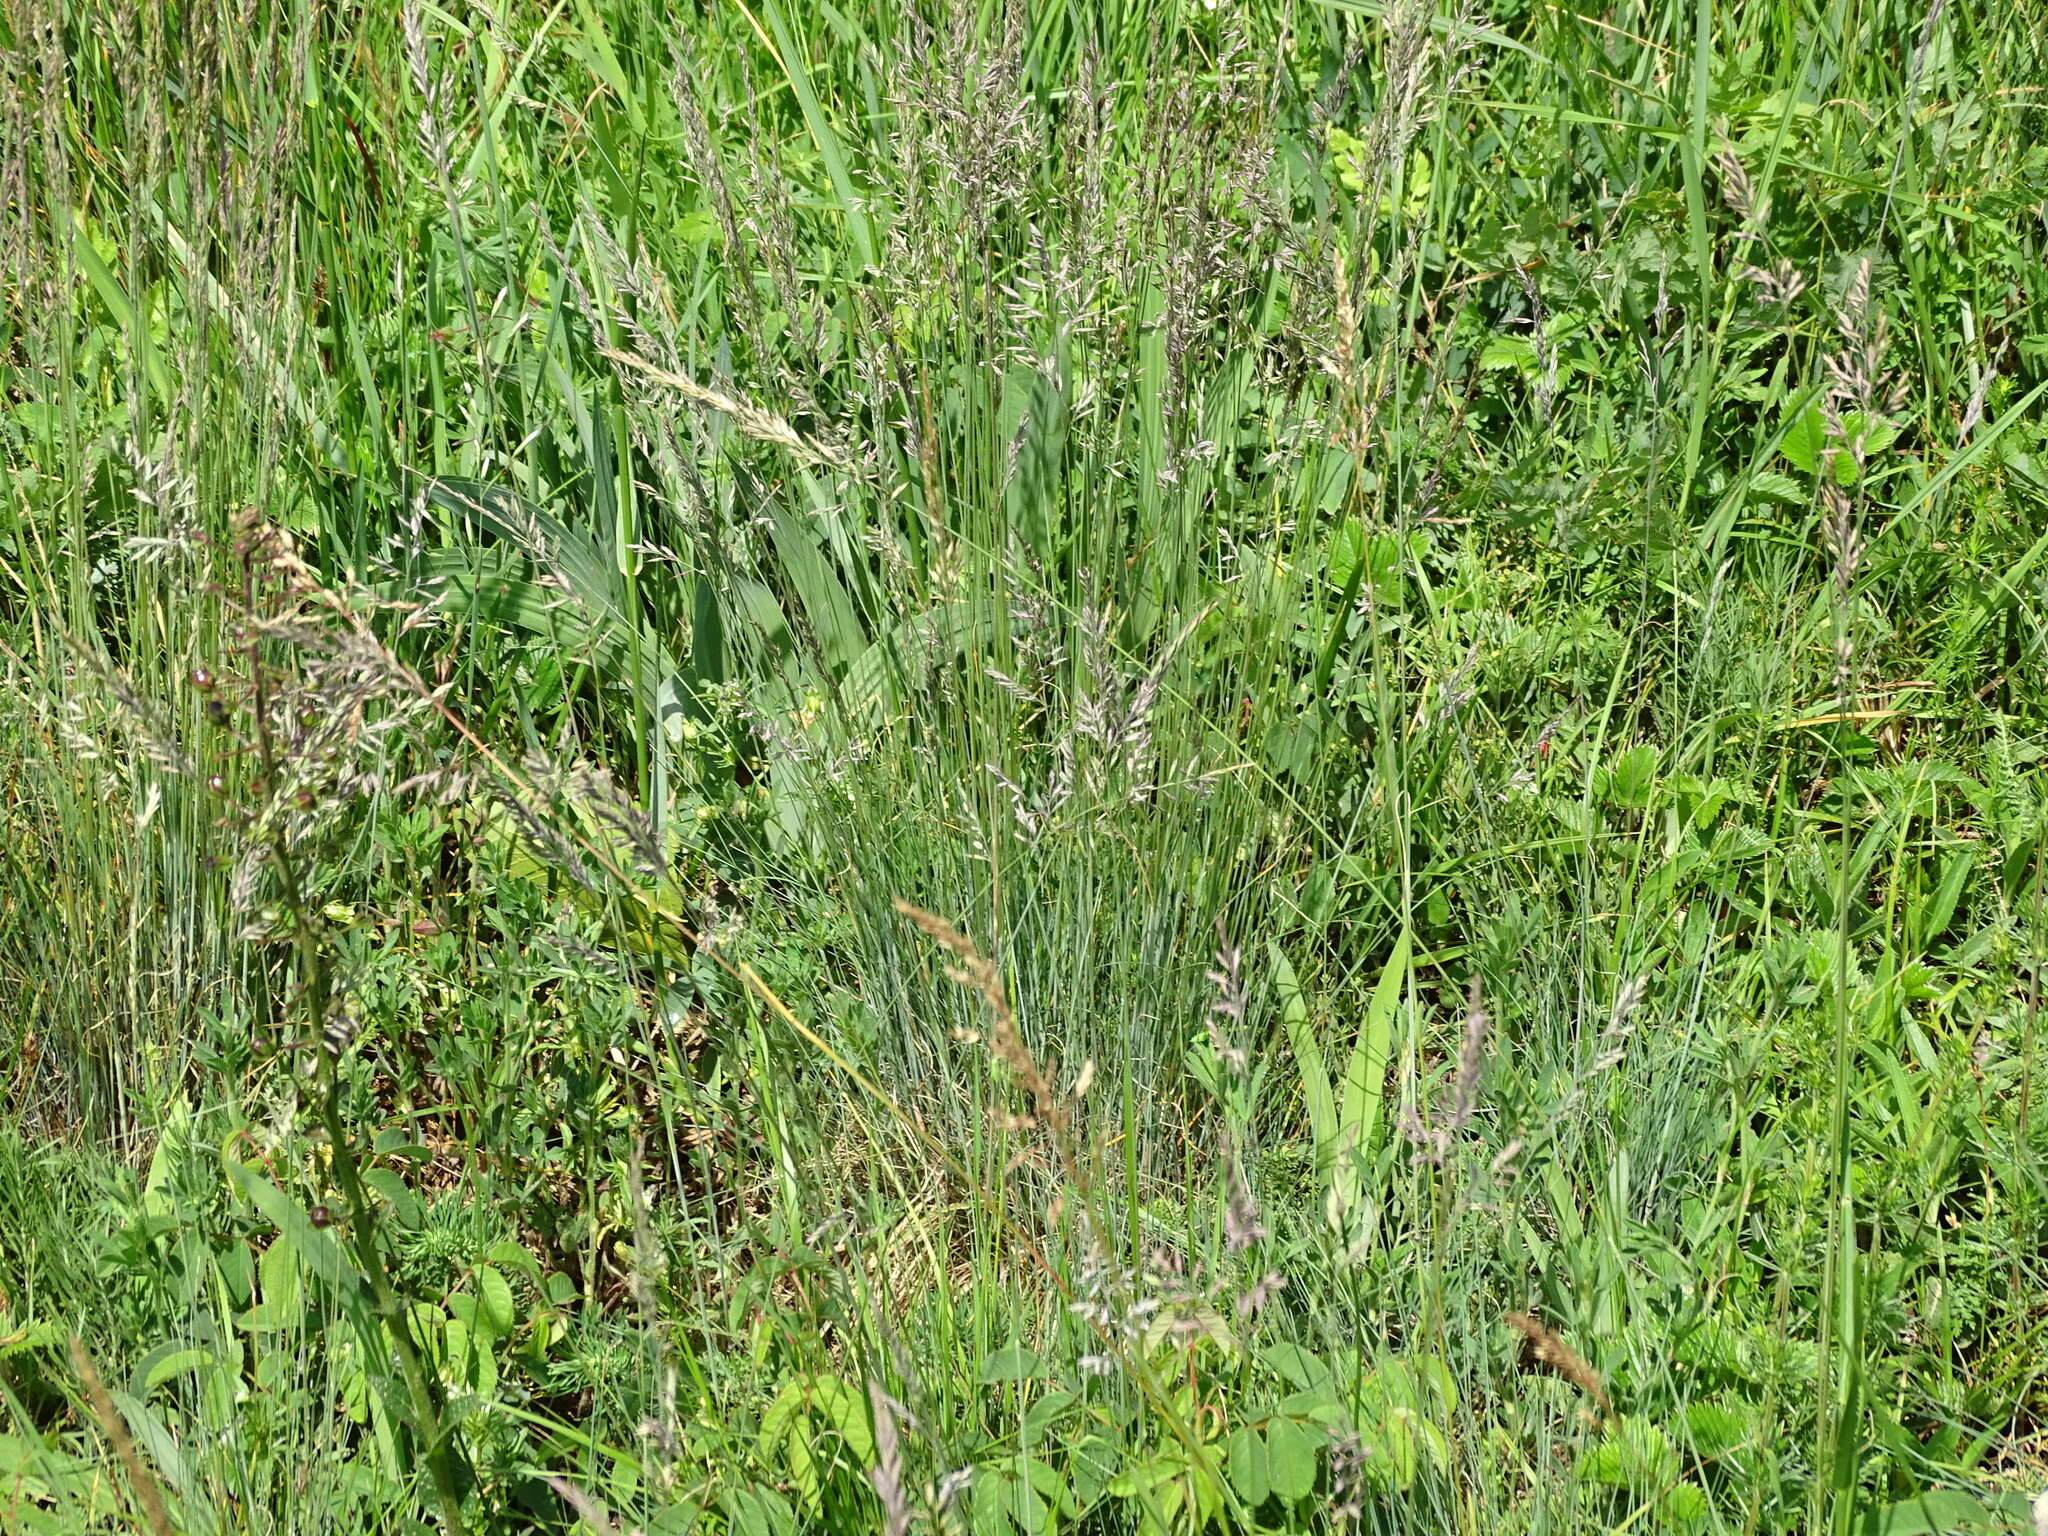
{"x":1437,"y":610}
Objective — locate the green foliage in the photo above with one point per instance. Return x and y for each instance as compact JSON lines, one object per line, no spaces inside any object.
{"x":1450,"y":601}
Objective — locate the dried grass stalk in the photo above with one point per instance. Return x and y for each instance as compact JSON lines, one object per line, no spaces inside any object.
{"x":1543,"y":1350}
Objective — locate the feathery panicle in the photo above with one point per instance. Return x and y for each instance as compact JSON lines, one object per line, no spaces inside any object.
{"x":1471,"y":1059}
{"x":1228,"y":979}
{"x":589,"y":1508}
{"x":1433,"y":1138}
{"x":886,"y":1475}
{"x":757,"y":423}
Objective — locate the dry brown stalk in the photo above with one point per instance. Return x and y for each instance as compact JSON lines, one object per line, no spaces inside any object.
{"x":978,"y":973}
{"x":147,"y":1494}
{"x":1544,"y":1350}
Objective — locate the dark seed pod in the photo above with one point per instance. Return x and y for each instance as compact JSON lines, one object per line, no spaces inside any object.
{"x":217,"y":784}
{"x":322,"y":1216}
{"x":202,"y":679}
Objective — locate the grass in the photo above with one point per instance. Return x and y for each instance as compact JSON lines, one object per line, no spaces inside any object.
{"x":1099,"y":767}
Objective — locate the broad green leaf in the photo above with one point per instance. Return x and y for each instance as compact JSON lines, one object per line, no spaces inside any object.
{"x":994,"y":1501}
{"x":1420,"y":1382}
{"x":281,"y":1284}
{"x":1092,"y":1463}
{"x":1633,"y":1453}
{"x":759,"y":1512}
{"x":1290,"y":1460}
{"x":472,"y":1364}
{"x":176,"y":1362}
{"x":507,"y":1254}
{"x":1036,"y":1494}
{"x":1949,"y":1512}
{"x":1365,"y":1078}
{"x":777,"y":1418}
{"x":1190,"y":1323}
{"x":1013,"y":1362}
{"x":494,"y":1297}
{"x":1316,"y":1093}
{"x":1403,"y":1409}
{"x":317,"y":1247}
{"x":1304,"y":1370}
{"x":1045,"y":1411}
{"x":1245,"y":1456}
{"x":1146,"y":1477}
{"x":834,"y":1400}
{"x":1682,"y":1507}
{"x":405,"y":1205}
{"x":1810,"y":439}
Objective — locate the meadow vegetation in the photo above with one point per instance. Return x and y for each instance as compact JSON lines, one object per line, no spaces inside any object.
{"x":1102,"y":766}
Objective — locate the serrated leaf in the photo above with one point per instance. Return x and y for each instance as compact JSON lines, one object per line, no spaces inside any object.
{"x":1682,"y":1507}
{"x":1811,"y":440}
{"x":32,"y":1336}
{"x":405,"y":1205}
{"x":1245,"y":1454}
{"x":1633,"y":1453}
{"x":1297,"y":1365}
{"x":1770,"y":484}
{"x":1290,"y":1460}
{"x":1511,"y":352}
{"x":1715,"y":1428}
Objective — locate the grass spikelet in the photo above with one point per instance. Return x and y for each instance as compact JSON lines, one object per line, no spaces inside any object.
{"x":978,"y":973}
{"x":1544,"y":1350}
{"x":763,"y":425}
